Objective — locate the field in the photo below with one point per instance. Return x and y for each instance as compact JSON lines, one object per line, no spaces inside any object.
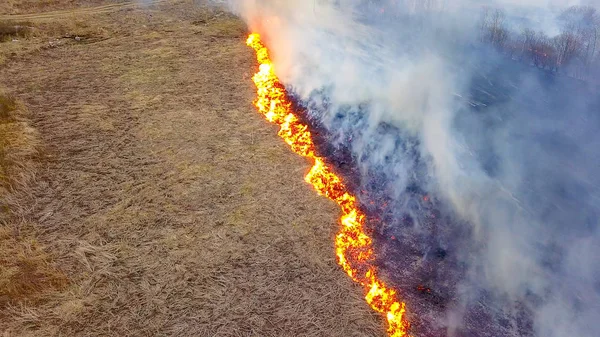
{"x":142,"y":194}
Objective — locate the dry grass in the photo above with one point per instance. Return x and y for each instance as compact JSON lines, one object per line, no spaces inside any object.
{"x":14,"y":30}
{"x":34,"y":6}
{"x":171,"y":206}
{"x":38,"y":25}
{"x":18,"y":147}
{"x":26,"y":270}
{"x":19,"y":39}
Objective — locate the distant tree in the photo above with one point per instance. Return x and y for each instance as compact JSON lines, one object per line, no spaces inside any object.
{"x":542,"y":51}
{"x":568,"y":45}
{"x":529,"y":37}
{"x":574,"y":51}
{"x":527,"y":43}
{"x":579,"y":38}
{"x":513,"y":47}
{"x":493,"y":28}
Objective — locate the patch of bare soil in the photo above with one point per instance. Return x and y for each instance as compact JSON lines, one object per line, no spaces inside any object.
{"x":169,"y":204}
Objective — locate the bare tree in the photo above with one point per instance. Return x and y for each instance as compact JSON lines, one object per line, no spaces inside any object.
{"x":541,"y":51}
{"x":568,"y":46}
{"x":493,"y":27}
{"x":527,"y":40}
{"x":579,"y":38}
{"x":575,"y":51}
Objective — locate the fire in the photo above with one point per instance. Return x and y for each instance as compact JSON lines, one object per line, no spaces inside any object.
{"x":354,"y":247}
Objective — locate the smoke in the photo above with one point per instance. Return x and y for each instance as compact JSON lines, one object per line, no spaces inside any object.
{"x":508,"y":153}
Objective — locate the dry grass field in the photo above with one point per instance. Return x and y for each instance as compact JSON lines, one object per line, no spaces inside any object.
{"x":141,"y":193}
{"x":29,"y":7}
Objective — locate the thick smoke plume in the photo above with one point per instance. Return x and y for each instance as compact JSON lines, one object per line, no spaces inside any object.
{"x":502,"y":154}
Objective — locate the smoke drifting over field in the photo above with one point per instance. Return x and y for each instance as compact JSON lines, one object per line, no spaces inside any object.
{"x":502,"y":155}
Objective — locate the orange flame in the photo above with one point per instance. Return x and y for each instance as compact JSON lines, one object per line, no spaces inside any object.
{"x":354,"y":248}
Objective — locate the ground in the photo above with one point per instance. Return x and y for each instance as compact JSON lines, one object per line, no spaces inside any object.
{"x":152,"y":199}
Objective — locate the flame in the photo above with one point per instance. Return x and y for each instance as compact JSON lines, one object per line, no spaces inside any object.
{"x":354,"y":248}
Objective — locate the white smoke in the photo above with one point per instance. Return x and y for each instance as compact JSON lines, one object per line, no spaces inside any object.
{"x":410,"y":74}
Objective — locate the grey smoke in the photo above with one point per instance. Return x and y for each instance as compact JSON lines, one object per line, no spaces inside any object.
{"x":522,"y":175}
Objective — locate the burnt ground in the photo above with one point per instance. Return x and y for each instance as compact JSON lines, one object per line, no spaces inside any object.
{"x":429,"y":264}
{"x":168,"y":204}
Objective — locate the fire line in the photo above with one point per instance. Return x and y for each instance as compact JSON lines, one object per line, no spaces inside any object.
{"x":354,"y":247}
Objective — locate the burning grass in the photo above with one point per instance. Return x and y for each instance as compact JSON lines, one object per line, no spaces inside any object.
{"x":354,"y":247}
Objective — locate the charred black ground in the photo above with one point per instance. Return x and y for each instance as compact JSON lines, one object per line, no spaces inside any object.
{"x":428,"y":264}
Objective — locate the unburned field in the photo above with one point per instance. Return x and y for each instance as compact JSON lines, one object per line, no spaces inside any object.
{"x":143,"y":195}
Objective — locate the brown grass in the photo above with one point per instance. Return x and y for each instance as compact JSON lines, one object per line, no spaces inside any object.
{"x":18,"y":146}
{"x":19,"y":39}
{"x":26,"y":270}
{"x":171,"y":206}
{"x":14,"y":30}
{"x":34,"y":6}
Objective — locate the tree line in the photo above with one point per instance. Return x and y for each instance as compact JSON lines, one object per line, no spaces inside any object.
{"x":574,"y":51}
